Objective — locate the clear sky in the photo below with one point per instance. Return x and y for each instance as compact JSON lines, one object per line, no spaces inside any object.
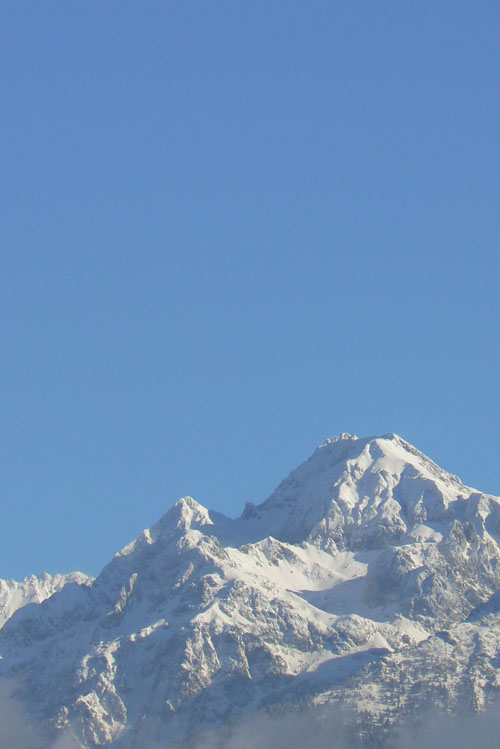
{"x":229,"y":231}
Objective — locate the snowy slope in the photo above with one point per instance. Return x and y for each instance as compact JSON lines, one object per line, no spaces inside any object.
{"x":368,"y":567}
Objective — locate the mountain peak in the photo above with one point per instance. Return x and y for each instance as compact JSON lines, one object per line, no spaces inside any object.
{"x":339,"y":438}
{"x":359,"y":493}
{"x":188,"y":514}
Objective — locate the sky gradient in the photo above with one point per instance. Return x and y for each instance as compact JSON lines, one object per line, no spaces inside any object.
{"x":230,"y":231}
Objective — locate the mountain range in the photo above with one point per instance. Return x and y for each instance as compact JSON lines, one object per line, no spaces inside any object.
{"x":361,"y":596}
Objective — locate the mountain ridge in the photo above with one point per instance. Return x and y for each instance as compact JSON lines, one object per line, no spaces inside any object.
{"x":366,"y":556}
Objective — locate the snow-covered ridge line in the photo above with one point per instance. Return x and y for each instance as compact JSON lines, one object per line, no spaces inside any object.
{"x":34,"y":589}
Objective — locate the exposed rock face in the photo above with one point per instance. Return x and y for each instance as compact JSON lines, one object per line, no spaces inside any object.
{"x":367,"y":580}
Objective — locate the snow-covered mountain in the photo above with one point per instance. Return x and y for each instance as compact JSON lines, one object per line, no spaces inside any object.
{"x":34,"y":589}
{"x":367,"y":582}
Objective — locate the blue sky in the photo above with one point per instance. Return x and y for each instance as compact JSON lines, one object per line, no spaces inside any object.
{"x":230,"y":231}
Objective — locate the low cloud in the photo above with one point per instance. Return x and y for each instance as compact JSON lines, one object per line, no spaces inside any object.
{"x":331,"y":728}
{"x":316,"y":728}
{"x":454,"y":732}
{"x":321,"y":730}
{"x":66,"y":741}
{"x":18,"y":729}
{"x":313,"y":728}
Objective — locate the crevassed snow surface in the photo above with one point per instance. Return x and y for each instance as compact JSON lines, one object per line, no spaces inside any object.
{"x":367,"y":579}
